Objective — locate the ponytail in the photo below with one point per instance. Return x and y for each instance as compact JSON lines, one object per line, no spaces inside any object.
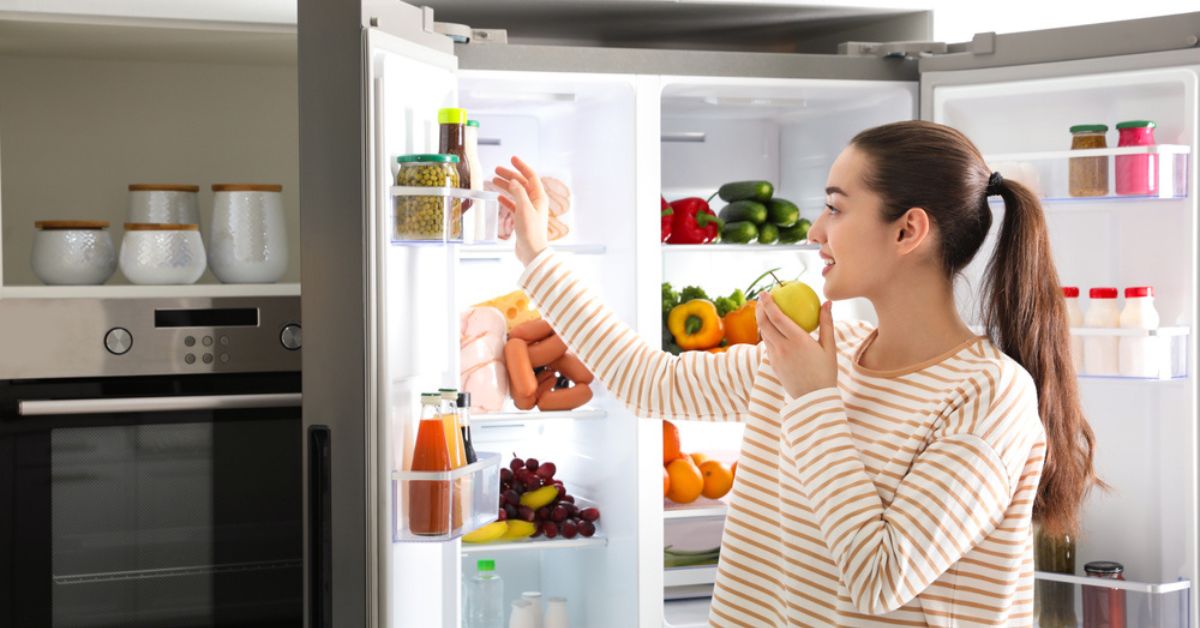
{"x":1026,"y":317}
{"x":935,"y":167}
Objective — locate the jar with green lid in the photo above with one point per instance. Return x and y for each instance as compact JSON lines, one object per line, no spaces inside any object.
{"x":1088,"y":175}
{"x":427,"y":216}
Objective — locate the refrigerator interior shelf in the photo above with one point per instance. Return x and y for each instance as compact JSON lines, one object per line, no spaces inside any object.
{"x":199,"y":291}
{"x":739,"y":248}
{"x":688,"y":576}
{"x":537,"y":544}
{"x":501,"y":252}
{"x":1117,"y":331}
{"x":1150,"y":588}
{"x":1160,"y":149}
{"x":701,"y":508}
{"x":436,"y":500}
{"x":578,"y":414}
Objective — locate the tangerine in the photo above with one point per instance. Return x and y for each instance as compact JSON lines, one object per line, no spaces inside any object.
{"x":733,"y":468}
{"x":718,"y":479}
{"x":666,"y":482}
{"x":698,"y":458}
{"x":671,"y":449}
{"x":686,"y":481}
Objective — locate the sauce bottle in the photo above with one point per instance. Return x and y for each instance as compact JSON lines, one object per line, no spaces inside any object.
{"x":452,"y":140}
{"x":429,"y":500}
{"x":464,"y":416}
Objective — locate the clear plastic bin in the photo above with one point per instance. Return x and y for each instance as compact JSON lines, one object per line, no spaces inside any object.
{"x":1146,"y":604}
{"x":1048,"y":174}
{"x":467,"y":498}
{"x":1173,"y":344}
{"x":435,"y":215}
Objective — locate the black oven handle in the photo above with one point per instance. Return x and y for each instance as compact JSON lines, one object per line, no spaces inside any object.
{"x":42,"y":407}
{"x":320,"y":530}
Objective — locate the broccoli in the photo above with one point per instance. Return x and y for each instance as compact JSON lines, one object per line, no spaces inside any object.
{"x":692,"y":292}
{"x":670,"y":299}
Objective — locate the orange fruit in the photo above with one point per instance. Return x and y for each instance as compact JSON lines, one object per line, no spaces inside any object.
{"x":666,"y":482}
{"x":686,"y":481}
{"x":698,"y":458}
{"x":718,"y":479}
{"x":733,"y":469}
{"x":717,"y":350}
{"x":671,"y":449}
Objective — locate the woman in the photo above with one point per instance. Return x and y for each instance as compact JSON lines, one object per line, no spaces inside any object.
{"x":889,"y":475}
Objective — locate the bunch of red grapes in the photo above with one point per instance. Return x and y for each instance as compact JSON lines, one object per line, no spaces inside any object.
{"x":560,"y":516}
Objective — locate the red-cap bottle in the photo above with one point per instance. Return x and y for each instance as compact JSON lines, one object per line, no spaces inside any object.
{"x":1070,"y":292}
{"x":1103,"y":293}
{"x":1139,"y":291}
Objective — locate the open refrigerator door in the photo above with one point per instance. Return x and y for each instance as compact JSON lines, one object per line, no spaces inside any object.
{"x":1122,"y":214}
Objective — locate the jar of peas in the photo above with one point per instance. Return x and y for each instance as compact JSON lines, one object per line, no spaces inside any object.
{"x":428,"y":216}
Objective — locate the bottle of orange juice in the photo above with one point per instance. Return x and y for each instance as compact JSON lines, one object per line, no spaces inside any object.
{"x":429,"y":510}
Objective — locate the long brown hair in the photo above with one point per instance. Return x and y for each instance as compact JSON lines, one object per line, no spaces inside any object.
{"x":936,"y":168}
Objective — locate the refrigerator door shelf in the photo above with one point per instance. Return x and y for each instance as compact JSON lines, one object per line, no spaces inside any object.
{"x":578,"y":414}
{"x":1145,"y":603}
{"x":1048,"y":173}
{"x":473,"y":489}
{"x":417,"y":211}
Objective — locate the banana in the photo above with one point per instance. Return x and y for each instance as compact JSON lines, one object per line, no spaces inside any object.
{"x":540,"y":497}
{"x":489,"y":532}
{"x":517,"y":529}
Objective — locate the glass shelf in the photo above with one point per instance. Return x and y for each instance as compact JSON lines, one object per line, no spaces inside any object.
{"x":540,"y":542}
{"x":689,"y":576}
{"x":1048,"y":173}
{"x":699,"y":509}
{"x":520,"y":416}
{"x":739,"y":248}
{"x":1145,"y":603}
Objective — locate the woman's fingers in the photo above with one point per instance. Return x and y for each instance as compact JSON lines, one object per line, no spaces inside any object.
{"x":827,"y":336}
{"x":531,"y":176}
{"x":509,"y":174}
{"x":507,"y":202}
{"x":522,"y":204}
{"x":784,"y":325}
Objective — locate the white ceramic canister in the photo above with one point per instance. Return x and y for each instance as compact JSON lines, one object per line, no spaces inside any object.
{"x":164,"y":203}
{"x":73,"y":252}
{"x":158,"y":254}
{"x":248,"y":241}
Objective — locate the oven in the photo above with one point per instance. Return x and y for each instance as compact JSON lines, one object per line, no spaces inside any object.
{"x":150,"y":463}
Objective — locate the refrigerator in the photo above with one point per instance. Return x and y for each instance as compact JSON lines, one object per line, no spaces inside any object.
{"x":622,"y":127}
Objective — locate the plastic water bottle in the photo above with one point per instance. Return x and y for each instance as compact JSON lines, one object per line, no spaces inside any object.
{"x":485,"y":597}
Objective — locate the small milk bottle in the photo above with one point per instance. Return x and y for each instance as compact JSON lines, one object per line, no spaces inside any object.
{"x":1075,"y":318}
{"x":1100,"y":353}
{"x":1140,"y":356}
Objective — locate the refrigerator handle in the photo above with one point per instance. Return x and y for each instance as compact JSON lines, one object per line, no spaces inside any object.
{"x":320,"y":533}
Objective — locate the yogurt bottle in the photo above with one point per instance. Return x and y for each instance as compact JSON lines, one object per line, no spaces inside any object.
{"x":1142,"y":355}
{"x":1075,"y":319}
{"x":1101,"y":353}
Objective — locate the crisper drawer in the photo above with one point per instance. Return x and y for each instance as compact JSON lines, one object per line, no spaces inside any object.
{"x":686,"y":613}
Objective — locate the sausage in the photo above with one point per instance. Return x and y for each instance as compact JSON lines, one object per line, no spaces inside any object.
{"x":571,"y":367}
{"x":520,"y":372}
{"x":565,"y":398}
{"x":532,"y":331}
{"x":545,"y":384}
{"x":546,"y":351}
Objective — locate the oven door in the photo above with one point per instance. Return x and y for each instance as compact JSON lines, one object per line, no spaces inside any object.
{"x":151,"y":502}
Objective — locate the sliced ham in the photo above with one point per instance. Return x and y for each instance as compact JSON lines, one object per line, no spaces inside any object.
{"x":482,"y":332}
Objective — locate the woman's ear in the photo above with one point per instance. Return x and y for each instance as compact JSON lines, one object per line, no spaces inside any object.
{"x":914,"y":228}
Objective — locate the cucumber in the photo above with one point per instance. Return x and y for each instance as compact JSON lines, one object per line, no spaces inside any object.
{"x":782,"y":212}
{"x":739,"y":232}
{"x":746,"y":191}
{"x":768,"y":234}
{"x":738,"y":211}
{"x":796,"y":233}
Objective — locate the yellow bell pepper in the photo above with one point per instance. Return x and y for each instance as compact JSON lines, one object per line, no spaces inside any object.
{"x":696,"y":325}
{"x":741,"y":326}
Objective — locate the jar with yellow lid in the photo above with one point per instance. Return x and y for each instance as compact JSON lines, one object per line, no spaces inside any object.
{"x":1088,"y":175}
{"x":428,"y":217}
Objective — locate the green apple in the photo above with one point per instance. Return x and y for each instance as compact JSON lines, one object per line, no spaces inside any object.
{"x":800,"y":302}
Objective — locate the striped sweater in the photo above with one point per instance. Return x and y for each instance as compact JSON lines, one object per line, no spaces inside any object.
{"x":899,"y":498}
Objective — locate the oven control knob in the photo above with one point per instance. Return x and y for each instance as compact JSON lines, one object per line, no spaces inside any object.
{"x":118,"y":341}
{"x":291,"y":337}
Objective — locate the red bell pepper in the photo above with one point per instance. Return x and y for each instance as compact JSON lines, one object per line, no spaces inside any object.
{"x":694,"y":222}
{"x":667,"y":213}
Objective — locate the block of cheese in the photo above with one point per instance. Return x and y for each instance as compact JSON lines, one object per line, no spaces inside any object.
{"x":514,"y":306}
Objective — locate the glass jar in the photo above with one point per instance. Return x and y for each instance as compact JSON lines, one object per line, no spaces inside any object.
{"x":1104,"y":607}
{"x":1054,"y":602}
{"x":429,"y":509}
{"x":1088,"y":175}
{"x":1137,"y":174}
{"x":452,"y":140}
{"x":428,"y":217}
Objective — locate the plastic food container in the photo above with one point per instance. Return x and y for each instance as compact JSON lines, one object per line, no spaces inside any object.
{"x":73,"y":252}
{"x":160,"y":254}
{"x":436,"y":216}
{"x":249,"y":233}
{"x":164,"y":203}
{"x":1137,"y":174}
{"x":1088,"y":175}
